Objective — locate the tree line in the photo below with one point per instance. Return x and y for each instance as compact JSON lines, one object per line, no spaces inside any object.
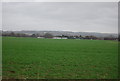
{"x":48,"y":35}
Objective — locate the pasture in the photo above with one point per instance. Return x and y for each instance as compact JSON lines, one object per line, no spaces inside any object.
{"x":32,"y":58}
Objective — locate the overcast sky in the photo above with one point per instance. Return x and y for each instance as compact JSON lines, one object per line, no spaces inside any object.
{"x":61,"y":16}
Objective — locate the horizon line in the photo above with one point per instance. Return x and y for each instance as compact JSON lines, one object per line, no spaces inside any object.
{"x":66,"y":31}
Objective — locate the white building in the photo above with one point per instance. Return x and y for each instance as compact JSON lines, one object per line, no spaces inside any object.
{"x":56,"y":37}
{"x":64,"y":38}
{"x":40,"y":37}
{"x":59,"y":37}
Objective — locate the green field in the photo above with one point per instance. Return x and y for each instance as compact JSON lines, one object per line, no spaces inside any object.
{"x":0,"y":58}
{"x":32,"y":58}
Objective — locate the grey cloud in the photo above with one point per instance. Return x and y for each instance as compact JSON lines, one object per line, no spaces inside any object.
{"x":0,"y":16}
{"x":73,"y":16}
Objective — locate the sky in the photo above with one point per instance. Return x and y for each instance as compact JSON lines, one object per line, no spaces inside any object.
{"x":0,"y":16}
{"x":61,"y":16}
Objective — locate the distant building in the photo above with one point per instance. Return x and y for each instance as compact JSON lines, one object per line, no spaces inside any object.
{"x":59,"y":37}
{"x":64,"y":38}
{"x":56,"y":37}
{"x":40,"y":37}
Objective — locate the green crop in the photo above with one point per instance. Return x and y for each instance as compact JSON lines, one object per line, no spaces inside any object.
{"x":33,"y":58}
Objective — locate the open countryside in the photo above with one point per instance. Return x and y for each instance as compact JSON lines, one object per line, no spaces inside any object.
{"x":33,"y":58}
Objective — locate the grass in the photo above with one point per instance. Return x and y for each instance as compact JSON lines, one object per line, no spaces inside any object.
{"x":0,"y":58}
{"x":32,"y":58}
